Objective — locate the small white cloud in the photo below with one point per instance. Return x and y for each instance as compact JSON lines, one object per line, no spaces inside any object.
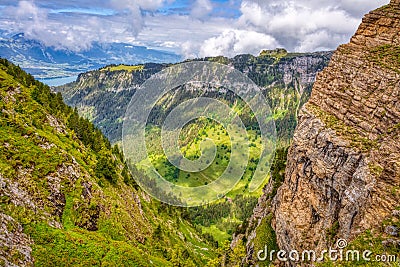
{"x":358,"y":8}
{"x":27,"y":9}
{"x":321,"y":40}
{"x":149,"y":4}
{"x":169,"y":44}
{"x":135,"y":5}
{"x":201,"y":8}
{"x":190,"y":49}
{"x":234,"y":42}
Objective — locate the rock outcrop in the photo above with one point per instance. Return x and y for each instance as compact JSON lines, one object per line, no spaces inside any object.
{"x":15,"y":249}
{"x":343,"y":171}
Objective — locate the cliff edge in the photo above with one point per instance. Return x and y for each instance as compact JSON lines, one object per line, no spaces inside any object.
{"x":342,"y":178}
{"x":343,"y":170}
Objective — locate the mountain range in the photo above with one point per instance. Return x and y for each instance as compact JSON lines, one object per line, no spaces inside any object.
{"x":49,"y":62}
{"x":103,"y":95}
{"x":69,"y":197}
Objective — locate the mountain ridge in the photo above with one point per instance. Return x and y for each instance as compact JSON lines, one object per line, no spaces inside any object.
{"x":293,"y":73}
{"x":49,"y":62}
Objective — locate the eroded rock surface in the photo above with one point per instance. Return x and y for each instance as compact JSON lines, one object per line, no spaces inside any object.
{"x":344,"y":165}
{"x":15,"y":247}
{"x":343,"y":171}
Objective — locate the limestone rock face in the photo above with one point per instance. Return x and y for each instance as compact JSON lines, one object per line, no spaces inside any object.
{"x":343,"y":170}
{"x":15,"y":244}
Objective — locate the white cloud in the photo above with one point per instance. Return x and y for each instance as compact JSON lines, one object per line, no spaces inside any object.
{"x":190,"y":49}
{"x":358,"y":8}
{"x":294,"y":23}
{"x":297,"y":25}
{"x":77,"y":31}
{"x":135,"y":5}
{"x":301,"y":25}
{"x":70,"y":33}
{"x":234,"y":42}
{"x":187,"y":33}
{"x":201,"y":8}
{"x":321,"y":40}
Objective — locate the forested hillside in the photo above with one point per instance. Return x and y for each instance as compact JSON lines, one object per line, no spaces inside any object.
{"x":66,"y":197}
{"x":287,"y":79}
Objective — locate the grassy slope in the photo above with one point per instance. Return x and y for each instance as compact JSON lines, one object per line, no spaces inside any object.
{"x":191,"y":137}
{"x":117,"y":225}
{"x":191,"y":149}
{"x":123,"y":68}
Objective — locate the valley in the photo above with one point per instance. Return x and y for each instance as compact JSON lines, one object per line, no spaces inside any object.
{"x":286,"y":80}
{"x":80,"y":171}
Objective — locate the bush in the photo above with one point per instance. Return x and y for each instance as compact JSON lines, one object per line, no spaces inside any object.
{"x":105,"y":168}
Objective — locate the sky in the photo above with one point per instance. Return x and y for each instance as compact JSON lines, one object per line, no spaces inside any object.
{"x":191,"y":28}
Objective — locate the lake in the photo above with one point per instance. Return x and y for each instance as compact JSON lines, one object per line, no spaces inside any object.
{"x":58,"y":81}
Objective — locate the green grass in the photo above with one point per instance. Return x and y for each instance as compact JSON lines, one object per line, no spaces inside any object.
{"x":278,"y":54}
{"x":218,"y":235}
{"x":372,"y":240}
{"x":124,"y":68}
{"x":190,"y":142}
{"x":77,"y":247}
{"x":386,"y":56}
{"x":265,"y":237}
{"x":355,"y":139}
{"x":367,"y":241}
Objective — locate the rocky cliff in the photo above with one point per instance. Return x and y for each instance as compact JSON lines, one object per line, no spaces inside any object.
{"x":343,"y":171}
